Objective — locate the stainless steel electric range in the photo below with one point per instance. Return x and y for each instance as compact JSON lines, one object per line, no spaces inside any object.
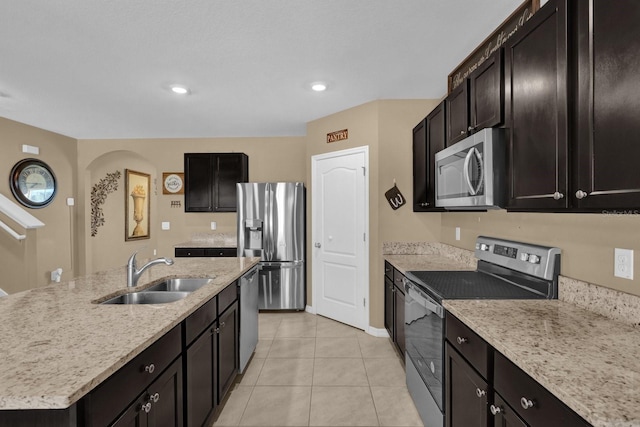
{"x":506,"y":270}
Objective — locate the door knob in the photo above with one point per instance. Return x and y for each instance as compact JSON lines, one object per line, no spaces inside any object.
{"x":317,"y":244}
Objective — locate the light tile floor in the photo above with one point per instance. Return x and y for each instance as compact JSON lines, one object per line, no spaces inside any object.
{"x":312,"y":371}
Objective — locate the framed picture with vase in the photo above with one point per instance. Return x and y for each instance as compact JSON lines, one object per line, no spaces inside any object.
{"x":137,"y":206}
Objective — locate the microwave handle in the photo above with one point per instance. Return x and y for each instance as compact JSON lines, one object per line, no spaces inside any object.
{"x":473,"y":152}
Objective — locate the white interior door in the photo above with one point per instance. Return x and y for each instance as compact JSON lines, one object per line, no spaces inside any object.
{"x":340,"y":268}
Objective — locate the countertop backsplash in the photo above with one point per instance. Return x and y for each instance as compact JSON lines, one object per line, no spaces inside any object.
{"x":212,"y":240}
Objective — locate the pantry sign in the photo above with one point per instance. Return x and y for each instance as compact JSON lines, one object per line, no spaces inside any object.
{"x":338,"y":135}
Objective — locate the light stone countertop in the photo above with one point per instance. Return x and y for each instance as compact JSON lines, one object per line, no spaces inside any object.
{"x":590,"y":362}
{"x":57,"y":344}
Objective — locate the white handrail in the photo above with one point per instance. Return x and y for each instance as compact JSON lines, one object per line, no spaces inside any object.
{"x":12,"y":231}
{"x":17,"y":214}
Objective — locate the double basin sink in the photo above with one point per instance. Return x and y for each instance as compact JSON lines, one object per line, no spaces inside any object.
{"x":167,"y":291}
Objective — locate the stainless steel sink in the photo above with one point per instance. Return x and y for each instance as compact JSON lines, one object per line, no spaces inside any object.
{"x":179,"y":285}
{"x":147,"y":297}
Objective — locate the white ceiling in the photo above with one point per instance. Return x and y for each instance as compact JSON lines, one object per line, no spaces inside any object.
{"x":102,"y":68}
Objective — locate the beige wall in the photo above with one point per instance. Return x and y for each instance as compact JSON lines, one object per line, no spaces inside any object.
{"x":587,"y":240}
{"x":386,"y":128}
{"x":270,"y":159}
{"x":28,"y":263}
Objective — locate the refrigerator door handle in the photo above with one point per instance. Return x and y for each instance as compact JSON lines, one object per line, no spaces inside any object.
{"x":267,"y":223}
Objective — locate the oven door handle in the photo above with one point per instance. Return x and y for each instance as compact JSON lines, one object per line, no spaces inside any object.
{"x":422,"y":299}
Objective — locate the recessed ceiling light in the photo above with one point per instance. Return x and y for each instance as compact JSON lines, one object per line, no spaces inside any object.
{"x":180,"y":90}
{"x":319,"y":86}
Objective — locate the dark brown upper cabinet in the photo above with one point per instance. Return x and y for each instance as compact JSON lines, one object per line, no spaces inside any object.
{"x":536,"y":110}
{"x":457,"y":113}
{"x":486,"y":94}
{"x":478,"y":102}
{"x":210,"y":180}
{"x":608,"y":105}
{"x":428,"y":138}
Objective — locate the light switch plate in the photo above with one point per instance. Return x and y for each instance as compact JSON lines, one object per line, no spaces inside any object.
{"x":214,"y":225}
{"x":166,"y":225}
{"x":623,"y":263}
{"x":457,"y":233}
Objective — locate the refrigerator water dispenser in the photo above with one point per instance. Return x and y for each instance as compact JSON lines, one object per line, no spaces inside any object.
{"x":253,"y":234}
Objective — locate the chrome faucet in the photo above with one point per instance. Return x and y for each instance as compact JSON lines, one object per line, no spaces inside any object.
{"x":133,"y":274}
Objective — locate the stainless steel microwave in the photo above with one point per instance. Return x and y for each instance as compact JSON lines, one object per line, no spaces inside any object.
{"x":471,"y":174}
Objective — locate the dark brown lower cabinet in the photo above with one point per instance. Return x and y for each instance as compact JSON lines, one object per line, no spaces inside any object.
{"x":160,"y":405}
{"x":467,"y":393}
{"x":399,"y":320}
{"x":228,"y":349}
{"x":504,"y":416}
{"x":201,"y":378}
{"x":394,"y":307}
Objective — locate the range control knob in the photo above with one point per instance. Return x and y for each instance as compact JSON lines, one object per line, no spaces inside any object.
{"x":534,"y":259}
{"x":524,"y":256}
{"x":484,"y":247}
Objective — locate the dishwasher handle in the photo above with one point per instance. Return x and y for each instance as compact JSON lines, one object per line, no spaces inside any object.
{"x":423,"y":299}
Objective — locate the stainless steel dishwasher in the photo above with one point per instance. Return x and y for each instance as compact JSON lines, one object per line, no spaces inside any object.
{"x":248,"y":284}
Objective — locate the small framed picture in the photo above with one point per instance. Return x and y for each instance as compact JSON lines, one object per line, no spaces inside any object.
{"x":172,"y":183}
{"x":136,"y":205}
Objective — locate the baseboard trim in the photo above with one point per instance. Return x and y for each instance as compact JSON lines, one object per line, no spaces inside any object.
{"x":376,"y":332}
{"x":310,"y":309}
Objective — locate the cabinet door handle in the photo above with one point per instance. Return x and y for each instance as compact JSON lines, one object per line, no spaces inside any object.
{"x":155,"y":397}
{"x":581,"y":194}
{"x":462,"y":340}
{"x":526,"y":403}
{"x":462,"y":132}
{"x":480,"y":392}
{"x":424,"y":205}
{"x":470,"y":128}
{"x":216,"y":330}
{"x":146,"y":407}
{"x":495,"y":410}
{"x":222,"y":325}
{"x":150,"y":368}
{"x":557,"y":195}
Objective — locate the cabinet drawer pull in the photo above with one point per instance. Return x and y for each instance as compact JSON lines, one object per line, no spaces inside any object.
{"x":146,"y":407}
{"x":480,"y":392}
{"x":557,"y":195}
{"x":462,"y":340}
{"x":495,"y":410}
{"x":150,"y":368}
{"x":526,"y":403}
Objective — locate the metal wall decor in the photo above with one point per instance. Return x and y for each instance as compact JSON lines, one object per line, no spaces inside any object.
{"x":395,"y":197}
{"x":99,"y":194}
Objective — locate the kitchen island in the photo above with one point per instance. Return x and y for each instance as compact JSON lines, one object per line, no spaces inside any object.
{"x":58,"y":343}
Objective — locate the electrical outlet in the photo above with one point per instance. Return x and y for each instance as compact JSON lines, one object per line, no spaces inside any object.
{"x":457,"y":233}
{"x":214,"y":225}
{"x":166,"y":225}
{"x":623,"y":263}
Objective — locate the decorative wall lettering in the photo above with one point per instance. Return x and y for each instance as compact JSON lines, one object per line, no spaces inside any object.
{"x":99,"y":194}
{"x":492,"y":43}
{"x":338,"y":135}
{"x":395,"y":197}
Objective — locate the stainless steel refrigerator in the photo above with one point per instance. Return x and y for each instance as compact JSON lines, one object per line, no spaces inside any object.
{"x":271,"y":225}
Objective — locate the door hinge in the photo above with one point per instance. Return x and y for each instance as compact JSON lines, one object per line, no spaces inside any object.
{"x":364,"y":237}
{"x":364,"y":171}
{"x":364,"y":302}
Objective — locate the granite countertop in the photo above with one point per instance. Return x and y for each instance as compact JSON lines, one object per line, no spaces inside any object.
{"x":590,"y":362}
{"x":58,"y":344}
{"x":428,"y":256}
{"x":210,"y":240}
